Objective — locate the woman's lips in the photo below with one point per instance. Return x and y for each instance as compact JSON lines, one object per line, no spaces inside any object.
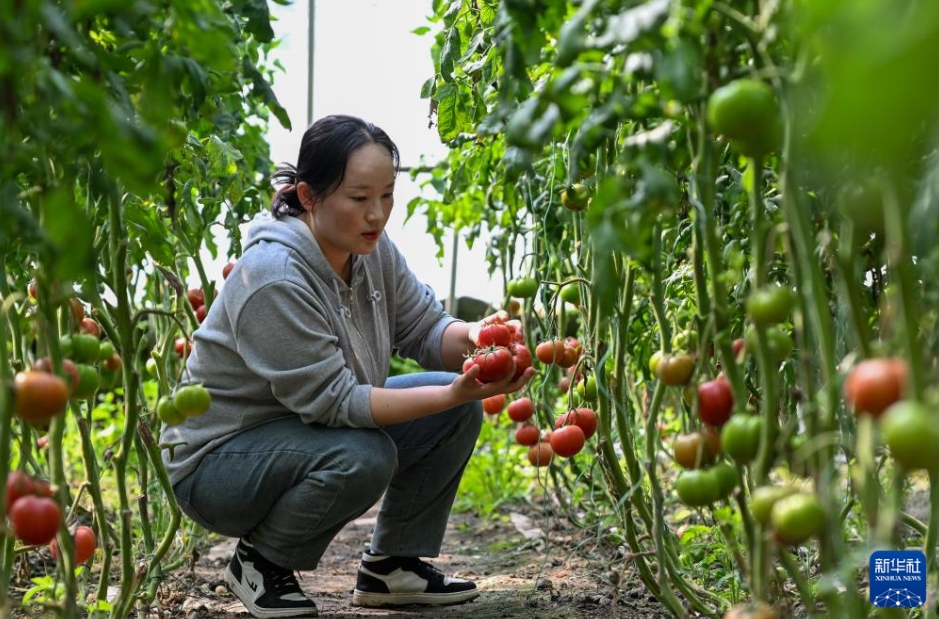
{"x":371,"y":236}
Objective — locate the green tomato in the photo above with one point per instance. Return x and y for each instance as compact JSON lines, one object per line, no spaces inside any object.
{"x":576,"y":197}
{"x":85,"y":348}
{"x":763,"y":499}
{"x":88,"y":381}
{"x":588,"y":392}
{"x":571,"y":294}
{"x":192,"y":400}
{"x":796,"y":518}
{"x":697,"y":488}
{"x":911,"y":432}
{"x":727,"y":478}
{"x":745,"y":112}
{"x":778,"y":341}
{"x":168,"y":413}
{"x":65,"y":346}
{"x":151,"y":367}
{"x":654,"y":360}
{"x":740,"y":437}
{"x":523,"y":287}
{"x":685,"y":340}
{"x":769,"y":305}
{"x":106,"y":350}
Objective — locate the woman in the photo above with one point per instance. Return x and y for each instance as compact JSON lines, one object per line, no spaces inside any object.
{"x":306,"y":431}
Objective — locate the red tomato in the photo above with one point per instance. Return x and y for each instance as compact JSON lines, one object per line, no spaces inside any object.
{"x":494,"y":335}
{"x":691,"y":450}
{"x":584,"y":418}
{"x":715,"y":402}
{"x":522,"y":356}
{"x":89,"y":326}
{"x":200,"y":314}
{"x":35,"y":520}
{"x":226,"y":270}
{"x":569,"y":357}
{"x":183,"y":346}
{"x":739,"y":345}
{"x":85,"y":542}
{"x":567,"y":441}
{"x":39,"y":396}
{"x":874,"y":384}
{"x":69,"y":370}
{"x":521,"y":409}
{"x":494,"y":364}
{"x":540,"y":454}
{"x":528,"y":435}
{"x":493,"y":405}
{"x":196,"y":297}
{"x":564,"y":384}
{"x":77,"y":310}
{"x":19,"y":484}
{"x":550,"y":352}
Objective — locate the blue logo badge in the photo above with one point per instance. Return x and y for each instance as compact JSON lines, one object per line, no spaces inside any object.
{"x":898,"y":578}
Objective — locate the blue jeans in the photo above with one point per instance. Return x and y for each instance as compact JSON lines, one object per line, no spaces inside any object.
{"x":291,"y":487}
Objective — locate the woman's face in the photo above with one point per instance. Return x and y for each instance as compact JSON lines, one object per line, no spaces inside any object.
{"x":350,"y":220}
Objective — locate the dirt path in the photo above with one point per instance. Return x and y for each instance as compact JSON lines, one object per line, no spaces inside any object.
{"x":522,"y":570}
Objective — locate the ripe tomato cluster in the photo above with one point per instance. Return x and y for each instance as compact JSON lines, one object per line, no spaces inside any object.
{"x":501,"y":352}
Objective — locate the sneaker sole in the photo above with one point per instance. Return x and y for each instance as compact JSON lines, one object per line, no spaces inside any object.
{"x":379,"y":600}
{"x":243,"y":594}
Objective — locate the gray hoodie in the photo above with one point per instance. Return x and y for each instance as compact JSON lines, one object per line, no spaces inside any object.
{"x":287,"y":336}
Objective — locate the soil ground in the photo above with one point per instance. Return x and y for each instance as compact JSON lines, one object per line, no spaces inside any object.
{"x":523,"y":570}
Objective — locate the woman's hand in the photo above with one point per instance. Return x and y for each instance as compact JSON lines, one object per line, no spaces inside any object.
{"x":467,"y":388}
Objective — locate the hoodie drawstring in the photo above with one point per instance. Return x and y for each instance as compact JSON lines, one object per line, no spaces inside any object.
{"x":375,"y":296}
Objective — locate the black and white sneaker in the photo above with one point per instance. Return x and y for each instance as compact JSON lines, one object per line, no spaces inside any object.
{"x":266,"y":590}
{"x":399,"y":581}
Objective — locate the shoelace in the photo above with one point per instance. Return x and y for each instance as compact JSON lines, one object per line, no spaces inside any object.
{"x":283,"y":582}
{"x":426,"y":570}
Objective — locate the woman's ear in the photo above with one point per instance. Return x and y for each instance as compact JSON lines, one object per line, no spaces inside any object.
{"x":305,"y":195}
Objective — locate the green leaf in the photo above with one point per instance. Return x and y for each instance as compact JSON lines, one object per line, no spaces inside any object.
{"x":448,"y":126}
{"x":70,"y":233}
{"x":259,"y":19}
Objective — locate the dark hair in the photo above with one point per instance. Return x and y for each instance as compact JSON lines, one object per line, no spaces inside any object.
{"x":324,"y":152}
